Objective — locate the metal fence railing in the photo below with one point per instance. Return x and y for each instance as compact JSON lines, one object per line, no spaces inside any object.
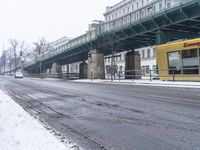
{"x":70,"y":76}
{"x":173,"y":74}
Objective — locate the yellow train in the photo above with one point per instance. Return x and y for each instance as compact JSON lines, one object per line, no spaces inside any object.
{"x":179,"y":60}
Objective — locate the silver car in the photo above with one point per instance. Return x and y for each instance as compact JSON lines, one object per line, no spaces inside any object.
{"x":19,"y":75}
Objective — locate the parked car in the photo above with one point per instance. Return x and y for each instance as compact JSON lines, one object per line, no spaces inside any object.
{"x":19,"y":75}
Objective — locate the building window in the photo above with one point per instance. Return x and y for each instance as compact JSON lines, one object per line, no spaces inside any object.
{"x":147,"y":69}
{"x":124,"y":20}
{"x":148,"y":53}
{"x":132,"y":17}
{"x":120,"y":68}
{"x":128,"y":19}
{"x":154,"y":9}
{"x":174,"y":62}
{"x":154,"y":69}
{"x":108,"y":70}
{"x":168,"y":4}
{"x":120,"y":57}
{"x":143,"y":69}
{"x":143,"y":53}
{"x":137,"y":16}
{"x":160,"y":6}
{"x":142,"y":13}
{"x":127,"y":9}
{"x":154,"y":52}
{"x":190,"y":61}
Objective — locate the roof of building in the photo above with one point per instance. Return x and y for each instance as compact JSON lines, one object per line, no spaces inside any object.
{"x":111,"y":8}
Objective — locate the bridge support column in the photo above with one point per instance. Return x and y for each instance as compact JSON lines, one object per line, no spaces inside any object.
{"x":96,"y":65}
{"x":132,"y":65}
{"x":56,"y":70}
{"x":83,"y":70}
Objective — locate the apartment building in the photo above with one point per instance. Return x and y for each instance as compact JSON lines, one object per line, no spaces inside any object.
{"x":128,"y":11}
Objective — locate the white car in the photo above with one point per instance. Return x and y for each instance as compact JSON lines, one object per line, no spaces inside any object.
{"x":19,"y":75}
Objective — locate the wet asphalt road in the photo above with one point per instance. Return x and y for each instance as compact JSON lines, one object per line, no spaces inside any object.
{"x":113,"y":117}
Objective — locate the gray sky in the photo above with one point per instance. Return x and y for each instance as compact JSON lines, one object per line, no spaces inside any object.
{"x":30,"y":20}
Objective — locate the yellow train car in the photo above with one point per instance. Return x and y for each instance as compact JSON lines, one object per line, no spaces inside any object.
{"x":179,"y":61}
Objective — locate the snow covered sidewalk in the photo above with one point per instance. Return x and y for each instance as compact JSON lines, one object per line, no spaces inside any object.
{"x":180,"y":84}
{"x":20,"y":131}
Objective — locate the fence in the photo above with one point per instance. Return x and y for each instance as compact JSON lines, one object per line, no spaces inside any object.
{"x":69,"y":76}
{"x":173,"y":74}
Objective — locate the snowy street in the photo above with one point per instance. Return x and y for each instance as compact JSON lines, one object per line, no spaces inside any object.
{"x":20,"y":131}
{"x":102,"y":116}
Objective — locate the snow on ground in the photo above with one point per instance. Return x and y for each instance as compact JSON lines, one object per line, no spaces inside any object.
{"x":183,"y":84}
{"x":20,"y":131}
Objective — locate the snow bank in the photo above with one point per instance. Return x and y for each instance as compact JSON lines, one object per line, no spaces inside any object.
{"x":181,"y":84}
{"x":20,"y":131}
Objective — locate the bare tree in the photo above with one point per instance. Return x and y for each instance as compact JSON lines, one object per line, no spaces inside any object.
{"x":41,"y":47}
{"x":1,"y":65}
{"x":3,"y":61}
{"x":23,"y":53}
{"x":13,"y":47}
{"x":10,"y":59}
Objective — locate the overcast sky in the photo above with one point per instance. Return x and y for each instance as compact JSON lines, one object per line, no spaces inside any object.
{"x":30,"y":20}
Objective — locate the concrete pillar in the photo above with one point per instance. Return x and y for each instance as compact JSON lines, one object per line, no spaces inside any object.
{"x":96,"y":65}
{"x":132,"y":65}
{"x":83,"y":70}
{"x":56,"y":70}
{"x":67,"y":69}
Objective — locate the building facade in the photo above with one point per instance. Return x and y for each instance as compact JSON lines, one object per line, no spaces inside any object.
{"x":179,"y":60}
{"x":117,"y":62}
{"x":128,"y":11}
{"x":147,"y":61}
